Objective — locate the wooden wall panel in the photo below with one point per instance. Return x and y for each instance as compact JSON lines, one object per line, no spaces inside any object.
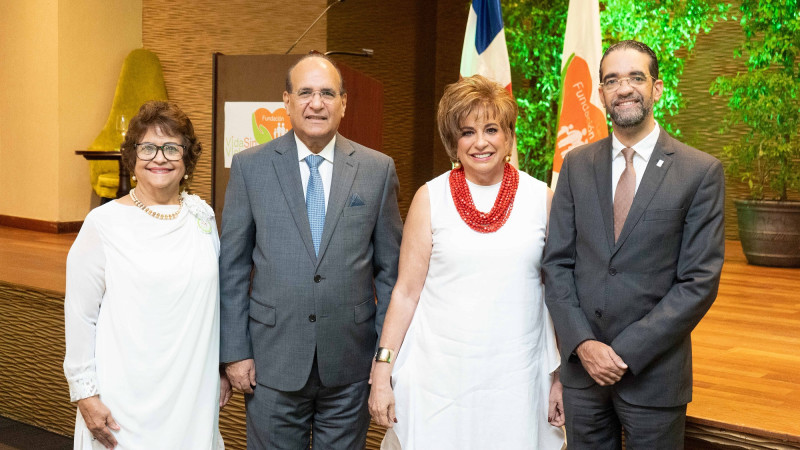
{"x":185,"y":35}
{"x":417,"y":48}
{"x":702,"y":117}
{"x":451,"y":23}
{"x":403,"y":37}
{"x":34,"y":390}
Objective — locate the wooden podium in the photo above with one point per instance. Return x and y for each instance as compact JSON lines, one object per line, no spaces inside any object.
{"x":262,"y":78}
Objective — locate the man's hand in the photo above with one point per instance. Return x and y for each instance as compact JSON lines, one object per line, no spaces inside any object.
{"x":601,"y":361}
{"x":242,"y":375}
{"x":98,"y":420}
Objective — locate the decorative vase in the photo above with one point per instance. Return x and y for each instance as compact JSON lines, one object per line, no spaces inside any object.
{"x":770,"y":232}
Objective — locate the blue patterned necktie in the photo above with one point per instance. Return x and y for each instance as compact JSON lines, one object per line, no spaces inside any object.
{"x":315,"y":200}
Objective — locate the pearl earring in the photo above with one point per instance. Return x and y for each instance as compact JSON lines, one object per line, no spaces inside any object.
{"x":186,"y":177}
{"x":133,"y":177}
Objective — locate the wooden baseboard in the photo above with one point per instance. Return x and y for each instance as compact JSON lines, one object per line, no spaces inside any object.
{"x":707,"y":435}
{"x":45,"y":226}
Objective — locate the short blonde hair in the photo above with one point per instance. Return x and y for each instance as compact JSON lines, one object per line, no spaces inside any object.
{"x":468,"y":95}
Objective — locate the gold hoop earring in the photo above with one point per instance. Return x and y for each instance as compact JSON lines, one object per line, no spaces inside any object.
{"x":456,"y":165}
{"x":508,"y":158}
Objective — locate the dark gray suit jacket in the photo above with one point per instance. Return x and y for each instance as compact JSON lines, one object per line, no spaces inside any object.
{"x":298,"y":304}
{"x":644,"y":294}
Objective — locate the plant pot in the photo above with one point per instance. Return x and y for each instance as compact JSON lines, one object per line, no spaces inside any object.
{"x":770,"y":232}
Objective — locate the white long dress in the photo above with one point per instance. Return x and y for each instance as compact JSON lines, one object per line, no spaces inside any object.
{"x":142,"y":325}
{"x":475,"y":367}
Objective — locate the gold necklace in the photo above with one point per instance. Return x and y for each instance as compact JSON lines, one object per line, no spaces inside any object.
{"x":155,"y":214}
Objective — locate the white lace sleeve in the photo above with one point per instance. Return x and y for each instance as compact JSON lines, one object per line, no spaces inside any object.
{"x":84,"y":293}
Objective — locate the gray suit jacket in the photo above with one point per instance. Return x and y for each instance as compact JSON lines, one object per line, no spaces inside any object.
{"x":297,"y":303}
{"x":644,"y":294}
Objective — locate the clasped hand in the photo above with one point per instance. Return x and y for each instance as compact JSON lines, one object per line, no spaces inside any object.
{"x":242,"y":375}
{"x":601,"y":362}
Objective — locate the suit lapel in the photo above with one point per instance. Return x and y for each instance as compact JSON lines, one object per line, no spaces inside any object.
{"x":653,"y":176}
{"x":602,"y":179}
{"x":287,"y":169}
{"x":344,"y":172}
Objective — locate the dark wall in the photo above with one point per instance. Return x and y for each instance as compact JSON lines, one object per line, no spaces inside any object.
{"x":185,"y":36}
{"x":417,"y":47}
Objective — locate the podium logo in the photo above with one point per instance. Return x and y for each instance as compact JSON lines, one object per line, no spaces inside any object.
{"x":268,"y":125}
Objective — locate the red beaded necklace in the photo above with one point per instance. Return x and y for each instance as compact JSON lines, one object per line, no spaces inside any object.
{"x":480,"y":221}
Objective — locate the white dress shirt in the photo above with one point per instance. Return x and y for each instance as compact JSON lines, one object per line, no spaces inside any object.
{"x":642,"y":151}
{"x":325,"y":169}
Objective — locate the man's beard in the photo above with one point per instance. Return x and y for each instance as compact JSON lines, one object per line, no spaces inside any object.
{"x":631,"y":117}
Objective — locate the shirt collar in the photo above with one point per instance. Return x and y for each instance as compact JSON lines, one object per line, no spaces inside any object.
{"x":326,"y":152}
{"x":643,"y":148}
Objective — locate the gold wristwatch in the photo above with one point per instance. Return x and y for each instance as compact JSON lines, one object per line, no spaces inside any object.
{"x":383,"y":355}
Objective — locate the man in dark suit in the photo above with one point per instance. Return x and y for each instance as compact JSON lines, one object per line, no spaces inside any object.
{"x":632,"y":264}
{"x":314,"y":217}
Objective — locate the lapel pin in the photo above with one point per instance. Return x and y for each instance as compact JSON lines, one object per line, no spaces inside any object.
{"x":660,"y":163}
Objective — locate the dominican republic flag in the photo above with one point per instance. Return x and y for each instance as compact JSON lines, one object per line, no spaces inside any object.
{"x":485,"y":52}
{"x":582,"y":118}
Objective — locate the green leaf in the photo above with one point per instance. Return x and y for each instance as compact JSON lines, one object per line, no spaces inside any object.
{"x":764,"y":100}
{"x":535,"y":34}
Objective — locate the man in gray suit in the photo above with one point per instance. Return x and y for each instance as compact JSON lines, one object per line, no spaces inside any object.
{"x":314,"y":218}
{"x":631,"y":265}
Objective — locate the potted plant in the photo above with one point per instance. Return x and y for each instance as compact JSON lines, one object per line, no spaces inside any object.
{"x":765,"y":103}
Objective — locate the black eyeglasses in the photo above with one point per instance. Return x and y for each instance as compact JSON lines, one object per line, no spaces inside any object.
{"x":147,"y":151}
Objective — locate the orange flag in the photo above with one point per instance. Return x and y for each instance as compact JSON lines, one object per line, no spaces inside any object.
{"x":582,"y":118}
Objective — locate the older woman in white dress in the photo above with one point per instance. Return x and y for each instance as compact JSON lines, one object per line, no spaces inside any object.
{"x":478,"y":364}
{"x":142,"y":302}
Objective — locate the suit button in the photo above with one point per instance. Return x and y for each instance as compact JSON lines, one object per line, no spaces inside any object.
{"x":612,"y":271}
{"x":598,"y":313}
{"x":312,"y":318}
{"x":317,"y":278}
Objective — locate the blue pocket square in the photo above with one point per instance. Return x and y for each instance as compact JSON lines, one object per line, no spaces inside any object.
{"x":355,"y":200}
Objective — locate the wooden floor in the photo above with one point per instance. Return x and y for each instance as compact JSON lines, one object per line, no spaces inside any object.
{"x":34,"y":259}
{"x":746,"y":350}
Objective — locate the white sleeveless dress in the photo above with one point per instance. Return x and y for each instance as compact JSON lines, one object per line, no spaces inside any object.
{"x":142,"y":325}
{"x":475,"y":367}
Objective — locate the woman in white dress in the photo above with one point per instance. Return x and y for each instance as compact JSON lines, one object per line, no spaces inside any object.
{"x":478,"y":367}
{"x":142,"y":302}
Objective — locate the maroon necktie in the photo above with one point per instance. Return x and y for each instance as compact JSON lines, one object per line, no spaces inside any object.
{"x":623,"y":196}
